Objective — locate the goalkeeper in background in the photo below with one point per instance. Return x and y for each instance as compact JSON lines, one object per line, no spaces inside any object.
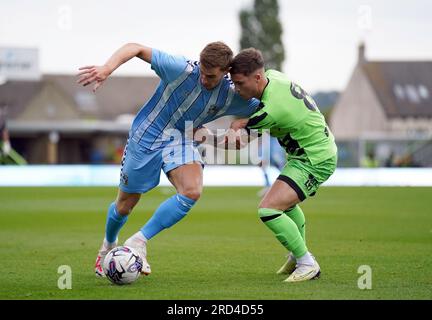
{"x":293,"y":118}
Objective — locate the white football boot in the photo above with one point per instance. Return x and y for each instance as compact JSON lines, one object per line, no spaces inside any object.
{"x":289,"y":266}
{"x":138,"y":243}
{"x":305,"y":272}
{"x":103,"y":251}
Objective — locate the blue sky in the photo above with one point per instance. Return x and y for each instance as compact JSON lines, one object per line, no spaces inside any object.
{"x":320,"y":37}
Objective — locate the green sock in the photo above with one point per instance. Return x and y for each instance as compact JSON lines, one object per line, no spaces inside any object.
{"x":296,"y":215}
{"x":285,"y":230}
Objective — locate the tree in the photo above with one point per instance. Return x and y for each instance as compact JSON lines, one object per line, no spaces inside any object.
{"x":262,"y":30}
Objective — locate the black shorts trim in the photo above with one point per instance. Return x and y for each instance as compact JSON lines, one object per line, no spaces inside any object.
{"x":293,"y":185}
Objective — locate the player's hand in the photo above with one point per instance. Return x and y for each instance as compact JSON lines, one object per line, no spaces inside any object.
{"x":239,"y":124}
{"x":93,"y":74}
{"x":236,"y":138}
{"x":202,"y":135}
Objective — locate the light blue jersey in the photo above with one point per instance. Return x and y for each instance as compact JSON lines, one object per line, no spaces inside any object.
{"x":180,"y":98}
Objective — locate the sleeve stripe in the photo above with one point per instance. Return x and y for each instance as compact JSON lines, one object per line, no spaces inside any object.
{"x":255,"y":120}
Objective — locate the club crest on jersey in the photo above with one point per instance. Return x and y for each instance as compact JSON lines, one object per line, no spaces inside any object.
{"x":185,"y":94}
{"x":213,"y":109}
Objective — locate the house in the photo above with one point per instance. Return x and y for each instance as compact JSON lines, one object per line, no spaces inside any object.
{"x":386,"y":101}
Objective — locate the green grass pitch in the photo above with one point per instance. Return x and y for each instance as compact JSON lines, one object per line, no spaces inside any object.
{"x":221,"y":250}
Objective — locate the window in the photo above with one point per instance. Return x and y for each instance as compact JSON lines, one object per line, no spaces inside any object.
{"x":423,"y":92}
{"x":412,"y":93}
{"x":399,"y":92}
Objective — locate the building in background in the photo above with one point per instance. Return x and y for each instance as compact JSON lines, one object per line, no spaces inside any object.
{"x":54,"y":120}
{"x":384,"y":116}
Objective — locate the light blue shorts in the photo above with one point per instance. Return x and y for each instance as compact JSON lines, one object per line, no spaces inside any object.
{"x":141,"y":168}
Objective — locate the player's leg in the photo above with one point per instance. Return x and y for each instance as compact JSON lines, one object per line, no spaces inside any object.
{"x":139,"y":173}
{"x":305,"y":179}
{"x":117,"y":215}
{"x":185,"y":172}
{"x":187,"y":179}
{"x":296,"y":214}
{"x":271,"y":210}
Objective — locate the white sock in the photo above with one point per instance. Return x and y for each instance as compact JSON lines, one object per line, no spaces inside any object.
{"x":109,"y":244}
{"x":139,"y":237}
{"x":306,"y":259}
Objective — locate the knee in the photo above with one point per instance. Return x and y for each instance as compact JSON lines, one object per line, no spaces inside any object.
{"x":124,"y":206}
{"x":264,"y":204}
{"x":193,"y":193}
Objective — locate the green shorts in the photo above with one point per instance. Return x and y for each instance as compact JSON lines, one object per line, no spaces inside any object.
{"x":306,"y":178}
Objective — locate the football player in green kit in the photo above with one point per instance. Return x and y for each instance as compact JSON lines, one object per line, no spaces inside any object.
{"x":292,"y":116}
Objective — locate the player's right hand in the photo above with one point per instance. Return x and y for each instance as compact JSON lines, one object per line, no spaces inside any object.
{"x":234,"y":139}
{"x":239,"y":124}
{"x":93,"y":74}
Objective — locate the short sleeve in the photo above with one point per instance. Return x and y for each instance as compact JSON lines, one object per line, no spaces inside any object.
{"x":166,"y":66}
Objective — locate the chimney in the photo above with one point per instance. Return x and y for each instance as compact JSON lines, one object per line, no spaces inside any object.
{"x":361,"y":53}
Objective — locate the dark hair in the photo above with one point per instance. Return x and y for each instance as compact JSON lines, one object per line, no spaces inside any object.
{"x":247,"y":61}
{"x":216,"y":55}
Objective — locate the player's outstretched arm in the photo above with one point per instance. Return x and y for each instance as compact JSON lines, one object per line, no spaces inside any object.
{"x":98,"y":74}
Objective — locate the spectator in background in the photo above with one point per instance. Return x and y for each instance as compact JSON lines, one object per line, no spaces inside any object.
{"x":390,"y":161}
{"x":5,"y":146}
{"x":369,"y":161}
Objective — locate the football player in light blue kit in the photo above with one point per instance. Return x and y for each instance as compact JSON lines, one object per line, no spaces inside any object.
{"x":189,"y":95}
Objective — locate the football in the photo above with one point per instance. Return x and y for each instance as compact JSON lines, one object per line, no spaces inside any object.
{"x":122,"y":265}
